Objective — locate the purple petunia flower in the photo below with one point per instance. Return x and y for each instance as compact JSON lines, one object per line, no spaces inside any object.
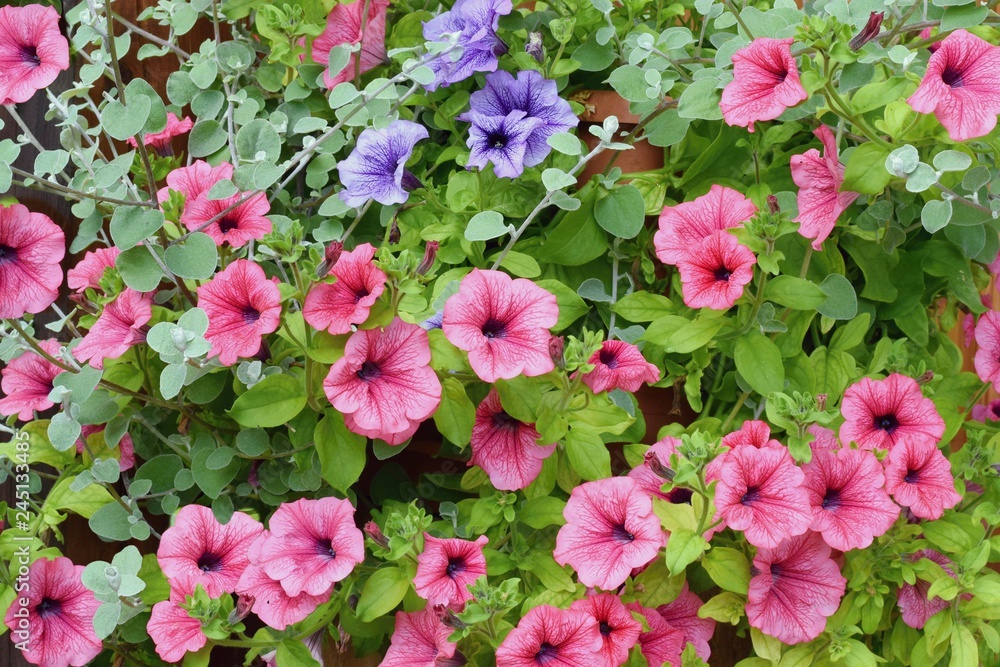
{"x":476,"y":22}
{"x":533,"y":94}
{"x":502,"y":140}
{"x":376,"y":168}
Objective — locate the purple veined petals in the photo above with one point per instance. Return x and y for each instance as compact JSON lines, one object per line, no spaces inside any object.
{"x":376,"y":168}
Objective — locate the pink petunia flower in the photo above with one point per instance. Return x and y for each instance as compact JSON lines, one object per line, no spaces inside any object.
{"x":447,"y":567}
{"x":765,"y":83}
{"x":420,"y":639}
{"x":349,"y":24}
{"x":619,"y":365}
{"x":335,"y":307}
{"x":197,"y":546}
{"x":650,"y":473}
{"x":172,"y":629}
{"x":914,"y":604}
{"x":53,"y":615}
{"x":503,"y":324}
{"x":246,"y":222}
{"x":270,"y":602}
{"x":89,"y":270}
{"x":987,"y":358}
{"x":194,"y":180}
{"x":878,"y":413}
{"x":980,"y":413}
{"x":682,"y":614}
{"x":918,"y":476}
{"x":961,"y":86}
{"x":663,"y":643}
{"x":551,"y":637}
{"x":820,"y":198}
{"x":505,"y":447}
{"x":242,"y":305}
{"x":684,"y":226}
{"x":313,"y":544}
{"x":32,"y":51}
{"x":824,"y":439}
{"x":125,"y":449}
{"x":760,"y":492}
{"x":27,"y":381}
{"x":161,"y":141}
{"x":31,"y":247}
{"x":619,"y":630}
{"x":383,"y":383}
{"x":119,"y":327}
{"x":752,"y":432}
{"x":796,"y":588}
{"x":849,"y":506}
{"x":610,"y":529}
{"x":714,"y":276}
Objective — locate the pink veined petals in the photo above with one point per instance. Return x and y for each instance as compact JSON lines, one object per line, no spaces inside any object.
{"x":877,"y":413}
{"x":824,"y":439}
{"x":619,"y":365}
{"x":242,"y":306}
{"x":663,"y":643}
{"x":245,"y":222}
{"x":683,"y":227}
{"x":161,"y":141}
{"x":89,"y":270}
{"x":32,"y":51}
{"x":420,"y":639}
{"x":714,"y":276}
{"x":765,"y":83}
{"x":124,"y":451}
{"x":657,"y":457}
{"x":195,"y":180}
{"x":820,"y":198}
{"x":339,"y":305}
{"x":173,"y":631}
{"x":682,"y":614}
{"x":551,"y":637}
{"x":915,"y":606}
{"x":31,"y":247}
{"x":447,"y":567}
{"x":27,"y":381}
{"x":918,"y":476}
{"x":349,"y":24}
{"x":987,"y":358}
{"x":506,"y":448}
{"x":503,"y":324}
{"x":619,"y":630}
{"x":119,"y":327}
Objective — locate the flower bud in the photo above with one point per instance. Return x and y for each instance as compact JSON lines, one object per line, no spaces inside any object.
{"x":869,"y":32}
{"x":330,"y":256}
{"x":244,"y":603}
{"x":394,"y":232}
{"x":925,"y":378}
{"x":374,"y":533}
{"x":557,"y":346}
{"x":430,"y":254}
{"x":821,"y":402}
{"x":772,"y":205}
{"x":534,"y":47}
{"x":410,"y":182}
{"x":449,"y":618}
{"x":660,"y":470}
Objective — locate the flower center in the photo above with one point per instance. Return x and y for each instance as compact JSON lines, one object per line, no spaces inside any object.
{"x":496,"y":140}
{"x":369,"y":371}
{"x":621,"y":533}
{"x":912,"y":476}
{"x":209,"y":562}
{"x":775,"y":570}
{"x":831,"y":500}
{"x":546,"y":653}
{"x":679,"y":496}
{"x":325,"y":548}
{"x":887,"y":423}
{"x":752,"y":495}
{"x":494,"y":328}
{"x":722,"y":274}
{"x":504,"y":421}
{"x":48,"y":607}
{"x":609,"y":359}
{"x":952,"y":77}
{"x":250,"y":314}
{"x":361,"y":293}
{"x":227,"y":225}
{"x":8,"y":255}
{"x":606,"y":629}
{"x":780,"y":76}
{"x":456,"y":565}
{"x":995,"y":409}
{"x":29,"y":55}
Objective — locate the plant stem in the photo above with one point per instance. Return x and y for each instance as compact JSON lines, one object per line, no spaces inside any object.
{"x":79,"y":194}
{"x":736,"y":408}
{"x":739,"y":19}
{"x":151,"y":37}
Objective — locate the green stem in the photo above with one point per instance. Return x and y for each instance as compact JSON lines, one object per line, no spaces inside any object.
{"x":844,"y":111}
{"x":736,"y":408}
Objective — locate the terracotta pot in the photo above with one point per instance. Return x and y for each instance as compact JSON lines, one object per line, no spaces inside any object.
{"x":598,"y":106}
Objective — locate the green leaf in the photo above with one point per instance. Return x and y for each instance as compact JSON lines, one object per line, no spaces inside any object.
{"x":456,"y":414}
{"x":139,"y":269}
{"x":258,"y":141}
{"x":293,"y":653}
{"x":195,"y":257}
{"x":587,"y":453}
{"x":758,"y":360}
{"x":629,"y":81}
{"x":964,"y":650}
{"x":542,"y":512}
{"x":132,"y":224}
{"x":701,"y":100}
{"x":793,"y":292}
{"x":556,"y":179}
{"x":551,"y":575}
{"x":571,"y":306}
{"x":519,"y":396}
{"x":866,"y":171}
{"x":936,"y":215}
{"x":643,"y":306}
{"x":683,"y":548}
{"x":565,"y":142}
{"x":577,"y":238}
{"x":667,"y":129}
{"x":659,"y":587}
{"x":206,"y":137}
{"x":341,"y":451}
{"x":382,"y":592}
{"x":728,"y":568}
{"x":841,"y":300}
{"x":622,"y":213}
{"x":85,"y":502}
{"x":271,"y":402}
{"x":486,"y":226}
{"x":122,"y":122}
{"x":877,"y":94}
{"x":681,"y":335}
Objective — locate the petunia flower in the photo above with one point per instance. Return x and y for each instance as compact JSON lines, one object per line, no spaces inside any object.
{"x":619,"y":365}
{"x":270,"y":601}
{"x":89,"y":270}
{"x":350,"y":24}
{"x":551,"y":637}
{"x":531,"y":93}
{"x":420,"y":639}
{"x":663,"y":643}
{"x":961,"y":86}
{"x":475,"y":22}
{"x":610,"y":530}
{"x":765,"y":83}
{"x":242,"y":305}
{"x":175,"y":632}
{"x":918,"y":476}
{"x":619,"y":630}
{"x":849,"y":504}
{"x":683,"y":227}
{"x":27,"y":382}
{"x":502,"y":323}
{"x":31,"y":247}
{"x":752,"y":432}
{"x":53,"y":615}
{"x":682,"y":614}
{"x":337,"y":306}
{"x":878,"y":413}
{"x":209,"y":553}
{"x":313,"y":544}
{"x":505,"y":447}
{"x":760,"y":492}
{"x":796,"y":588}
{"x":376,"y":168}
{"x":246,"y":221}
{"x":124,"y":451}
{"x":987,"y":358}
{"x":714,"y":276}
{"x":384,"y":384}
{"x":501,"y":141}
{"x":447,"y":567}
{"x":652,"y":473}
{"x":820,"y":199}
{"x":194,"y":180}
{"x":161,"y":141}
{"x":914,"y":604}
{"x":119,"y":327}
{"x":32,"y":51}
{"x":980,"y":413}
{"x":824,"y":439}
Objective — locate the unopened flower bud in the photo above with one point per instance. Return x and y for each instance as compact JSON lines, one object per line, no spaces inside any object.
{"x":374,"y":533}
{"x":534,"y":47}
{"x":410,"y":182}
{"x":557,"y":346}
{"x":244,"y":603}
{"x":394,"y":234}
{"x":869,"y":32}
{"x":660,"y":470}
{"x":449,"y":618}
{"x":821,"y":402}
{"x":430,"y":254}
{"x":113,"y":576}
{"x":330,"y":256}
{"x":772,"y":205}
{"x":925,"y":378}
{"x":252,"y":475}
